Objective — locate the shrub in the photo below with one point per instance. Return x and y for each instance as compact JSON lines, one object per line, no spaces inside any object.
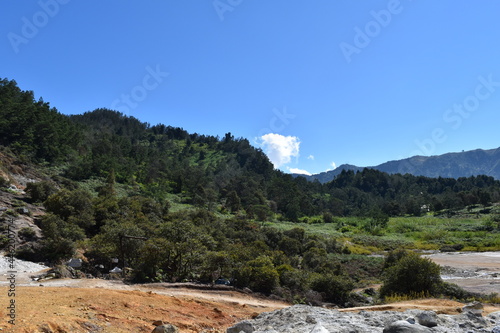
{"x":27,"y":233}
{"x":3,"y":182}
{"x":454,"y":291}
{"x":293,"y":279}
{"x":290,"y":246}
{"x":258,"y":274}
{"x":328,"y":217}
{"x":451,"y":248}
{"x":39,"y":192}
{"x":394,"y":256}
{"x":4,"y":240}
{"x":334,"y":288}
{"x":410,"y":274}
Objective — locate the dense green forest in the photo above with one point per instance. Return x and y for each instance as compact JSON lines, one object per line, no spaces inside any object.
{"x":197,"y":206}
{"x":211,"y":172}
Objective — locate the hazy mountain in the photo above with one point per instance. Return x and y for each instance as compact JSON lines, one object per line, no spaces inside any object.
{"x":454,"y":165}
{"x":325,"y":177}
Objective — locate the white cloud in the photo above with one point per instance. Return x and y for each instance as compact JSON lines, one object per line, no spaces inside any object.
{"x":333,"y":166}
{"x":279,"y":148}
{"x":310,"y":157}
{"x":300,"y":171}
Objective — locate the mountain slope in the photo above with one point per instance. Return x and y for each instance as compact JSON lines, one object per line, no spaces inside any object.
{"x":325,"y":177}
{"x":451,"y":165}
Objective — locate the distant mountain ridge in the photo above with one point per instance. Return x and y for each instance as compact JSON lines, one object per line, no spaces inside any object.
{"x":451,"y":165}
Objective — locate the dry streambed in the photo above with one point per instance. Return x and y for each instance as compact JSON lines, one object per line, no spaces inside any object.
{"x":474,"y":271}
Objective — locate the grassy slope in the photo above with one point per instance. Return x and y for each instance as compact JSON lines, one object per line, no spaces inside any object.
{"x":472,"y":231}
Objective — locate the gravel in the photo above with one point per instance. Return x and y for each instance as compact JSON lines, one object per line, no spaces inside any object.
{"x":19,"y":266}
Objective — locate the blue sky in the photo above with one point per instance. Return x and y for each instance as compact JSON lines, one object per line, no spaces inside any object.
{"x":314,"y":83}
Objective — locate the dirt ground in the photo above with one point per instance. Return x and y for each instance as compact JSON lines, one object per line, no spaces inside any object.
{"x":440,"y":306}
{"x":476,"y":272}
{"x":96,"y":305}
{"x":63,"y":309}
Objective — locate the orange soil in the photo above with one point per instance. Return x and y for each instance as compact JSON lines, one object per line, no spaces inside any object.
{"x":56,"y":309}
{"x":440,"y":306}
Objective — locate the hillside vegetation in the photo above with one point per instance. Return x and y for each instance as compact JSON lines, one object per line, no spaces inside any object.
{"x":175,"y":206}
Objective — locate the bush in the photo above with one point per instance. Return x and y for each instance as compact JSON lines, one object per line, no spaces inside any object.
{"x":4,"y":241}
{"x":451,"y":248}
{"x":27,"y":233}
{"x":293,"y":279}
{"x":454,"y":291}
{"x":39,"y":192}
{"x":3,"y":182}
{"x":328,"y":217}
{"x":258,"y":274}
{"x":410,"y":275}
{"x":333,"y":288}
{"x":57,"y":251}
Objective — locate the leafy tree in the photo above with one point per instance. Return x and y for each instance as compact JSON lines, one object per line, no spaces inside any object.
{"x":32,"y":128}
{"x":328,"y":217}
{"x":59,"y":238}
{"x":153,"y":260}
{"x":216,"y":265}
{"x":315,"y":258}
{"x":290,"y":246}
{"x":74,"y":207}
{"x":259,"y":274}
{"x":233,"y":202}
{"x":39,"y":192}
{"x":484,"y":198}
{"x":334,"y":288}
{"x":294,"y":279}
{"x":411,"y":275}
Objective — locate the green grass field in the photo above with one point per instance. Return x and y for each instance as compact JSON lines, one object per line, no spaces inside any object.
{"x":462,"y":232}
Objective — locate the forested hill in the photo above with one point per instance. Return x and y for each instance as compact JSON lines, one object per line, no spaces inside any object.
{"x":453,"y":165}
{"x":179,"y":206}
{"x":226,"y":174}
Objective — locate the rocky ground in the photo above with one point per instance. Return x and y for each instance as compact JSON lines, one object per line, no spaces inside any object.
{"x":301,"y":318}
{"x":473,"y":271}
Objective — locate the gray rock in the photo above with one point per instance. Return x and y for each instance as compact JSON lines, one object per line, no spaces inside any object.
{"x":403,"y":326}
{"x":23,"y":210}
{"x":319,"y":329}
{"x":244,"y":326}
{"x":427,"y":318}
{"x":474,"y":307}
{"x":310,"y":319}
{"x":166,"y":328}
{"x":496,"y":329}
{"x":472,"y":318}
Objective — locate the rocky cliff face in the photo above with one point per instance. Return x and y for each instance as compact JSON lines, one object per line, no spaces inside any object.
{"x":308,"y":319}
